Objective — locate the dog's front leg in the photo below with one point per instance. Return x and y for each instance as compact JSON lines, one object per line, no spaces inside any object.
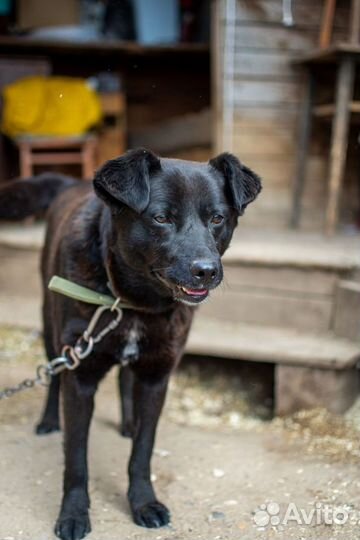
{"x":126,"y":390}
{"x":73,"y":522}
{"x":149,"y":398}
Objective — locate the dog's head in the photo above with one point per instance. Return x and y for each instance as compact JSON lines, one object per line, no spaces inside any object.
{"x":173,"y":219}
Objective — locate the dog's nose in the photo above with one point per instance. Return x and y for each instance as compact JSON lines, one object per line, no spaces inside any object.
{"x":204,"y":271}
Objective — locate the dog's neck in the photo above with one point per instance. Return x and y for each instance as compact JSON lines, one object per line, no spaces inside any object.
{"x":134,"y":287}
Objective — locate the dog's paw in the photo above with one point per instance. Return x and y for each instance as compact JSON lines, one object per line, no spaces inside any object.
{"x":127,"y":430}
{"x":73,"y":527}
{"x":47,"y":426}
{"x":152,"y":515}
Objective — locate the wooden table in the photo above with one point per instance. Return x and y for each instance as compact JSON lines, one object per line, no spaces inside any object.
{"x":345,"y":58}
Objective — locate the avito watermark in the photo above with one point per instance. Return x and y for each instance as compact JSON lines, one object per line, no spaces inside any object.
{"x":271,"y":514}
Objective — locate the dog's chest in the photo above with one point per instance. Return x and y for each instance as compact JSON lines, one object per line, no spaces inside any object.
{"x":130,"y":350}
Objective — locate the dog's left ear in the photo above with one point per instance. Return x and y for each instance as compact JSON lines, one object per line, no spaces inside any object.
{"x":244,"y":185}
{"x":126,"y":179}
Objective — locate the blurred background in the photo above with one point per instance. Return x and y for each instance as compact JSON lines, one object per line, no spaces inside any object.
{"x":272,"y":359}
{"x":275,"y":82}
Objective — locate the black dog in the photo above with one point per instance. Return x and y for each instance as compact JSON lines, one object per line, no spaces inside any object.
{"x":155,"y":229}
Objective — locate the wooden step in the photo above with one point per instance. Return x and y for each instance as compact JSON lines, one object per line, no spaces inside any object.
{"x":273,"y":305}
{"x":249,"y":246}
{"x":346,"y":321}
{"x":236,"y":340}
{"x":294,"y":249}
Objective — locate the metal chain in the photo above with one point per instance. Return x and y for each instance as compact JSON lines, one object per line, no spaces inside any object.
{"x":70,"y":356}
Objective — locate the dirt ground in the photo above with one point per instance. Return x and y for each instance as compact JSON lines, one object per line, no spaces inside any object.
{"x":225,"y":471}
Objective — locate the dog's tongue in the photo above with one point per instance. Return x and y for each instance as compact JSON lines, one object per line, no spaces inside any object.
{"x":195,"y":292}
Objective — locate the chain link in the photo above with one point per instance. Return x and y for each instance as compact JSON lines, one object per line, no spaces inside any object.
{"x":70,"y":356}
{"x":42,"y":377}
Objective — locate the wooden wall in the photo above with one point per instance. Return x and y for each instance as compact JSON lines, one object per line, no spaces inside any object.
{"x":266,"y":96}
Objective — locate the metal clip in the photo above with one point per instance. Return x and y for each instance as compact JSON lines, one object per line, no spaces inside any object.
{"x":89,"y":345}
{"x":72,"y":360}
{"x":108,"y":328}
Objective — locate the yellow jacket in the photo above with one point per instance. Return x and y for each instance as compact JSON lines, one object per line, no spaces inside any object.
{"x":53,"y":106}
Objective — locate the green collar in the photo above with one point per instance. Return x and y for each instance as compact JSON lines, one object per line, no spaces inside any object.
{"x":72,"y":290}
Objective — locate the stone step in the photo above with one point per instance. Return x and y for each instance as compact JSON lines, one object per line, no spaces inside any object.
{"x":212,"y":337}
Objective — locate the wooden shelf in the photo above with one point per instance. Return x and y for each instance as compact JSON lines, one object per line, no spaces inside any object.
{"x":327,"y":110}
{"x":329,"y":55}
{"x":28,"y":44}
{"x":260,"y":343}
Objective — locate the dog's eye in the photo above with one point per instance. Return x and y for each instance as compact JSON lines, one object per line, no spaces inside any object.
{"x":217,"y":219}
{"x":162,"y":219}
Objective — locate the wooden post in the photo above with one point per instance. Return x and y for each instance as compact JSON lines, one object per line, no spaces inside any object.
{"x":327,"y":23}
{"x":26,"y":165}
{"x":355,"y":22}
{"x":304,"y":138}
{"x":88,"y":159}
{"x":302,"y":387}
{"x":339,"y":139}
{"x":216,"y":74}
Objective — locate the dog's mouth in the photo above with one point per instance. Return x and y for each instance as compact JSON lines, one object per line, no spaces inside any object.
{"x":192,"y":296}
{"x":187,"y":295}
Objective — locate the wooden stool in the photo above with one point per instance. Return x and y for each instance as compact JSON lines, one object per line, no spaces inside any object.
{"x":57,"y":151}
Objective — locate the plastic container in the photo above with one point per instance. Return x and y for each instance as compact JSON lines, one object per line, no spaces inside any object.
{"x":157,"y":21}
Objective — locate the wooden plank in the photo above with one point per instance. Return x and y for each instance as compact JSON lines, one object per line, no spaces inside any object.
{"x":328,"y":109}
{"x":294,"y":249}
{"x":327,"y":22}
{"x":273,"y":199}
{"x":339,"y":141}
{"x":209,"y":336}
{"x":347,"y":310}
{"x":268,"y":141}
{"x":275,"y":170}
{"x":284,"y":116}
{"x":306,"y":281}
{"x":298,"y":388}
{"x":304,"y":137}
{"x":216,"y":76}
{"x":259,"y":123}
{"x":355,"y":22}
{"x":269,"y":307}
{"x":264,"y":93}
{"x":262,"y":37}
{"x":273,"y":65}
{"x":306,"y":13}
{"x":277,"y":173}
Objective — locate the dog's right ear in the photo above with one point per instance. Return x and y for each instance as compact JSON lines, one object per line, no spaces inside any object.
{"x":126,"y":179}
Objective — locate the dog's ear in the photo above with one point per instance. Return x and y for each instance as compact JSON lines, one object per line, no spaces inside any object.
{"x":243,"y":184}
{"x":126,"y":179}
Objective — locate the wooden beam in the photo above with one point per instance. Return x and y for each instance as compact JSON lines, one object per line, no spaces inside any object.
{"x":304,"y":138}
{"x":339,"y":142}
{"x":327,"y":23}
{"x":355,"y":22}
